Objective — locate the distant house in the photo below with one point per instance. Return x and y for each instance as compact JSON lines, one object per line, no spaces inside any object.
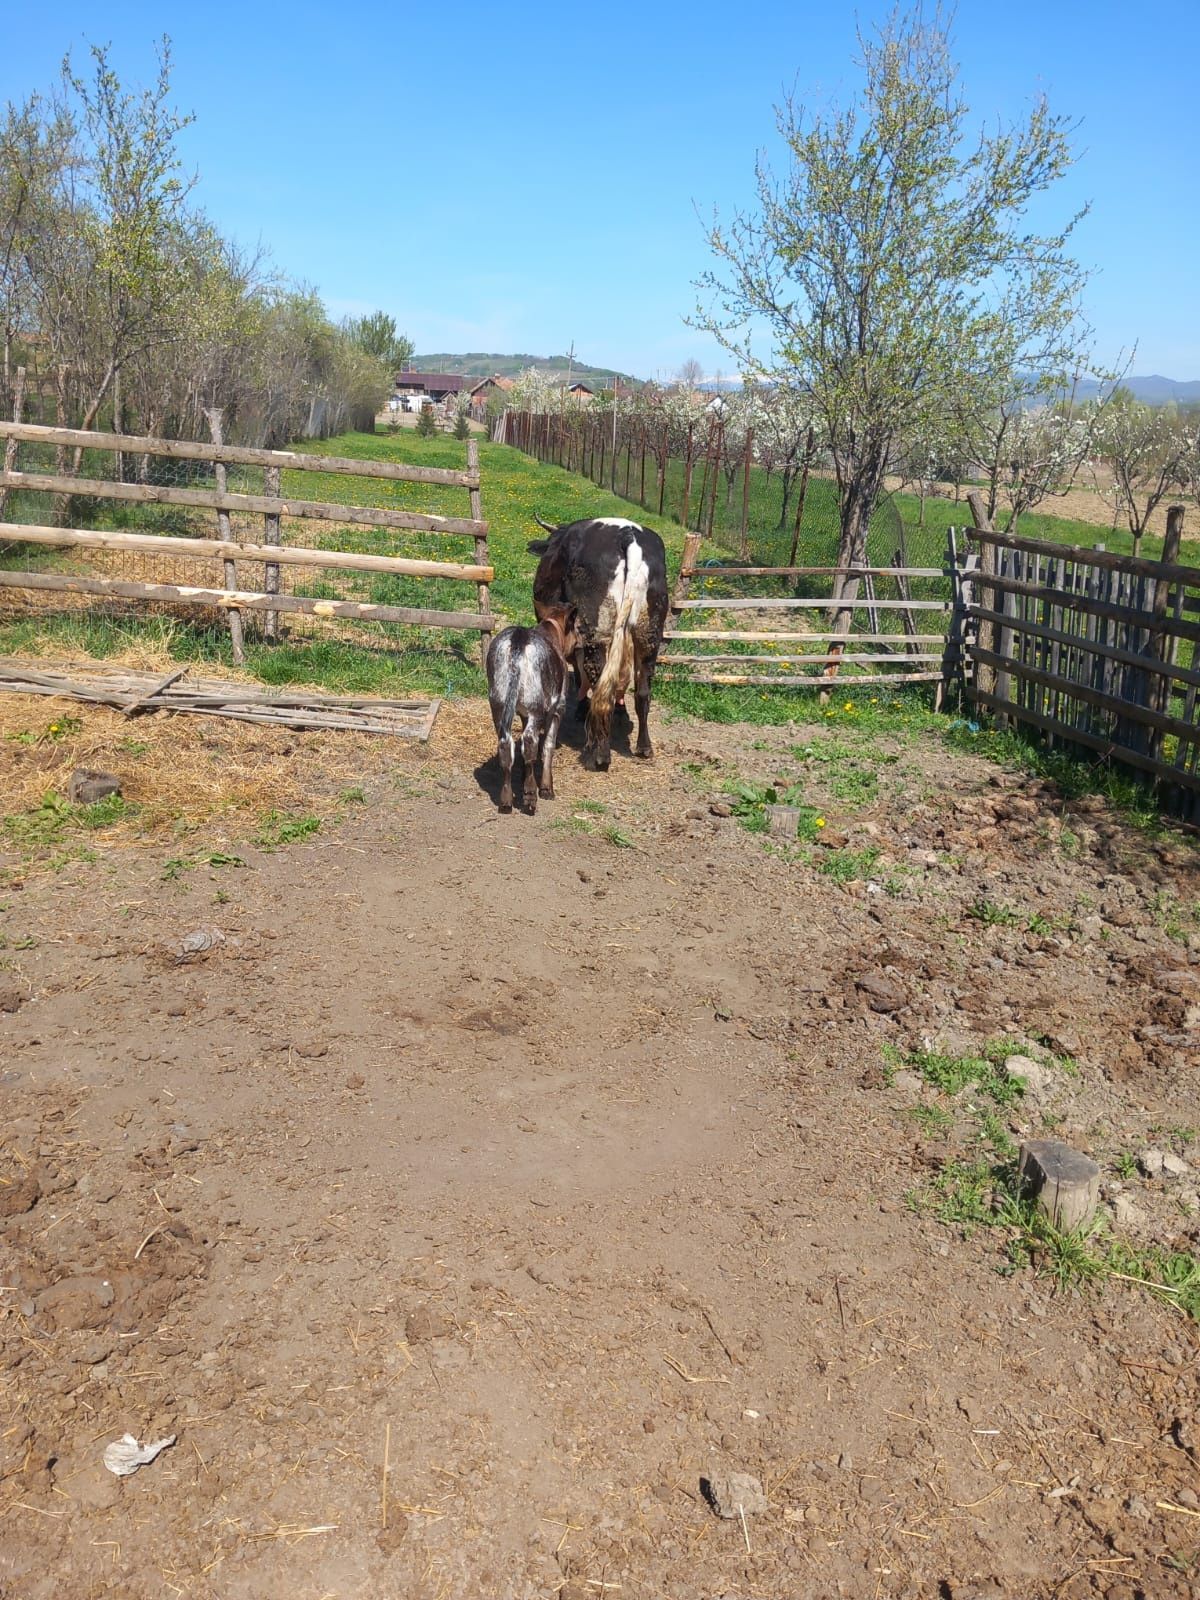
{"x":483,"y":390}
{"x":438,"y":386}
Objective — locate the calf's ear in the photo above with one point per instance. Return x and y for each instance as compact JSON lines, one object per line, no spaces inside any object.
{"x":538,"y":547}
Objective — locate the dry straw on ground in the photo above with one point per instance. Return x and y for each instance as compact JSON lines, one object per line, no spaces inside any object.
{"x":177,"y":772}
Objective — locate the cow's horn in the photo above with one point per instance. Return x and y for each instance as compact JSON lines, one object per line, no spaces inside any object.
{"x":550,"y":527}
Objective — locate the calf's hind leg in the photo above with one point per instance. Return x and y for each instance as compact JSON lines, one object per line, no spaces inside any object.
{"x":507,"y":749}
{"x":529,"y":749}
{"x":548,"y":743}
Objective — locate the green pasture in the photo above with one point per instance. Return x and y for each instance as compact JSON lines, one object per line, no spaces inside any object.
{"x":365,"y":658}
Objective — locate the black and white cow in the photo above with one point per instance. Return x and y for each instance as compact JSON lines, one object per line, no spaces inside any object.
{"x":613,"y":573}
{"x":527,"y":677}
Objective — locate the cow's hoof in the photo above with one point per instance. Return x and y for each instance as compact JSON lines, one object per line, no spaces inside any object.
{"x":646,"y":754}
{"x":506,"y":808}
{"x":546,"y":794}
{"x":531,"y":804}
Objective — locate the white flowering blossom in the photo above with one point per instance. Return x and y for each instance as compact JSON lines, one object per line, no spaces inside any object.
{"x":1145,"y":448}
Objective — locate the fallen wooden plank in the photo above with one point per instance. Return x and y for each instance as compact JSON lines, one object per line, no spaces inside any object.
{"x":239,"y":702}
{"x":142,"y":700}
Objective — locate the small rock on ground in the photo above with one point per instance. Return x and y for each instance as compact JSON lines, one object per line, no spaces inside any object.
{"x":735,"y":1494}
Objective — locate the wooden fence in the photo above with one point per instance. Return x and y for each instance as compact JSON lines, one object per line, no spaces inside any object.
{"x":235,"y":542}
{"x":1093,"y":649}
{"x":803,"y":658}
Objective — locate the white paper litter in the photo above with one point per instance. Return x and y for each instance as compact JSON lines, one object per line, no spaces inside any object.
{"x":126,"y":1455}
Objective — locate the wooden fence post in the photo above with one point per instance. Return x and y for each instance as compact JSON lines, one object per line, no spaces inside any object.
{"x":10,"y":447}
{"x":691,"y":545}
{"x":744,"y":535}
{"x":224,"y":532}
{"x":481,"y":546}
{"x":1161,"y":647}
{"x":687,"y":477}
{"x":271,"y":535}
{"x":983,"y":673}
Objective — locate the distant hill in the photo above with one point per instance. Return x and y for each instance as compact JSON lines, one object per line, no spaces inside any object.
{"x":482,"y":364}
{"x":1152,"y":391}
{"x":1156,"y":391}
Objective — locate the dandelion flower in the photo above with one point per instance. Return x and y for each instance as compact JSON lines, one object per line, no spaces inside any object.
{"x":849,"y":706}
{"x":820,"y":822}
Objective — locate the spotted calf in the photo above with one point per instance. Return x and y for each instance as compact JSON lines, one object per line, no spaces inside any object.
{"x":527,"y":677}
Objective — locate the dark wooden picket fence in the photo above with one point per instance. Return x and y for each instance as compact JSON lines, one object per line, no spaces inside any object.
{"x":1094,"y":650}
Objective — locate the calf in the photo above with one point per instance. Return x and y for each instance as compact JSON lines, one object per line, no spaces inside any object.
{"x":613,"y":572}
{"x":527,"y":677}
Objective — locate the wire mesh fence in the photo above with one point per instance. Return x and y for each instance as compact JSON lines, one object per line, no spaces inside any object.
{"x":757,"y":513}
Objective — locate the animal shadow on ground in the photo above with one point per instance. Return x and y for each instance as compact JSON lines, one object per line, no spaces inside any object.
{"x":571,"y":735}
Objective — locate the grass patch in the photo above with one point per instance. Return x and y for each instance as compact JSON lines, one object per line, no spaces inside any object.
{"x":51,"y":832}
{"x":278,"y":828}
{"x":950,"y":1075}
{"x":845,"y":866}
{"x":993,"y":915}
{"x":178,"y":865}
{"x":981,"y":1190}
{"x":750,"y":802}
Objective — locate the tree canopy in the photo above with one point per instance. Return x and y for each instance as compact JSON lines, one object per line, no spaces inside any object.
{"x":125,"y":297}
{"x":891,"y":273}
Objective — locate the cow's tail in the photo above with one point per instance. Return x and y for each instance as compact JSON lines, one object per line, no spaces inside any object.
{"x":618,"y":663}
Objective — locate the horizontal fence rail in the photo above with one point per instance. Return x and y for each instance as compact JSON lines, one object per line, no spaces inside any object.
{"x":798,"y":659}
{"x":235,"y":454}
{"x":244,"y":600}
{"x":141,"y":566}
{"x":234,"y":550}
{"x":1090,"y":648}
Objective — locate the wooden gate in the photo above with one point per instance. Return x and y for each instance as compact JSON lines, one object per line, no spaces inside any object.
{"x":1092,"y":649}
{"x":250,"y":528}
{"x":874,"y":637}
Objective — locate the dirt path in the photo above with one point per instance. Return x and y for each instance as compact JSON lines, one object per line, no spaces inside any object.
{"x":563,"y":1175}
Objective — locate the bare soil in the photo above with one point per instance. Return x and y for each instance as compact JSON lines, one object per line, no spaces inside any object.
{"x":488,"y":1182}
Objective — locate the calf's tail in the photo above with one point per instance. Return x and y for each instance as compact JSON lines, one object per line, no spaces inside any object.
{"x":510,"y":698}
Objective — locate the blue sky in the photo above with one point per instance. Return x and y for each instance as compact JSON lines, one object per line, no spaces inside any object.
{"x":517,"y":178}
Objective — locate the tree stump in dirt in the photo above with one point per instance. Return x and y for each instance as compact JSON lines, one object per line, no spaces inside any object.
{"x":1064,"y":1182}
{"x":783,"y":820}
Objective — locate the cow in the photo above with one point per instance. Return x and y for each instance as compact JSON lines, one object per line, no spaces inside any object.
{"x":527,"y":677}
{"x":613,"y":573}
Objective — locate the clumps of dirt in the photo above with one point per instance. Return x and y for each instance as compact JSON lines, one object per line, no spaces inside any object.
{"x":89,"y":1277}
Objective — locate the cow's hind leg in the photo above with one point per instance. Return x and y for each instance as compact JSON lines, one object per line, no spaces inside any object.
{"x":529,"y":750}
{"x":643,"y":682}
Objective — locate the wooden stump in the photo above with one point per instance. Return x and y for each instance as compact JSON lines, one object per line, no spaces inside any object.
{"x":783,"y":820}
{"x":1064,"y":1182}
